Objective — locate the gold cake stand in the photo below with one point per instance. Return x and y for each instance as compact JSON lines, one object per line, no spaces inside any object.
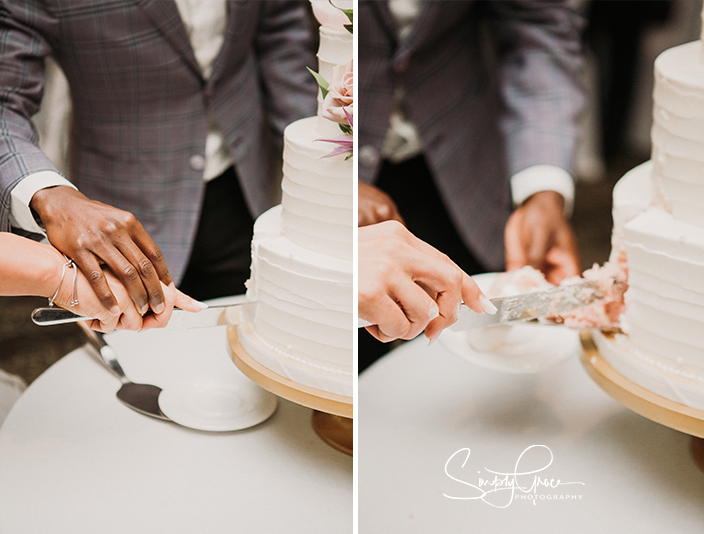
{"x":646,"y":403}
{"x":332,"y":415}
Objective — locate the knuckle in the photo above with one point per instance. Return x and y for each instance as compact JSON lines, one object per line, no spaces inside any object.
{"x":145,"y":268}
{"x":127,"y":219}
{"x":155,"y":254}
{"x":94,"y":275}
{"x":129,"y":273}
{"x":456,"y":276}
{"x":110,"y":227}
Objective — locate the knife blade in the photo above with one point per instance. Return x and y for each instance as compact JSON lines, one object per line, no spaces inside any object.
{"x":225,"y":314}
{"x":532,"y":306}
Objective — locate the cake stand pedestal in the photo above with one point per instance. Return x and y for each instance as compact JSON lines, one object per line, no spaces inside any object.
{"x":332,"y":416}
{"x":646,"y":403}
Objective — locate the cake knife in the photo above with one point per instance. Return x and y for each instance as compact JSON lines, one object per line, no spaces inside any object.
{"x":216,"y":315}
{"x":528,"y":307}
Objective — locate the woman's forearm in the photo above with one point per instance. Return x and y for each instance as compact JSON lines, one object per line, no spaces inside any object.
{"x":28,"y":267}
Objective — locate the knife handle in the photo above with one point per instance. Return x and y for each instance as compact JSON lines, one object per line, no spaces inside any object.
{"x":53,"y":315}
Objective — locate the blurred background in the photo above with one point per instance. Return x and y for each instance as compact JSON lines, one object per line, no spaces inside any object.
{"x":622,"y":39}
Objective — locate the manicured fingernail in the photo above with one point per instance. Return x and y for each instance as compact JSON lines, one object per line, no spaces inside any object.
{"x":159,"y":308}
{"x":201,"y":305}
{"x":432,"y":339}
{"x":144,"y":309}
{"x":115,"y":310}
{"x":433,"y":312}
{"x":487,"y":305}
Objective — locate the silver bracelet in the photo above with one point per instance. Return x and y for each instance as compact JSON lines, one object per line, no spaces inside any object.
{"x":74,"y":296}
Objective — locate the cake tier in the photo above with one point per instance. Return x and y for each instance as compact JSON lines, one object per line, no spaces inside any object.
{"x":664,"y":314}
{"x":336,"y":48}
{"x":317,"y":193}
{"x":303,"y":323}
{"x":621,"y":356}
{"x":678,"y":131}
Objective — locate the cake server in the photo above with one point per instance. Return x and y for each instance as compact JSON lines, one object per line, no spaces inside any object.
{"x":143,"y":398}
{"x":231,"y":314}
{"x":528,"y":307}
{"x":537,"y":306}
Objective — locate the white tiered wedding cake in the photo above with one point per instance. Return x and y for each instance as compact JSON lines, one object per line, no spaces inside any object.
{"x":658,"y":210}
{"x":302,"y":271}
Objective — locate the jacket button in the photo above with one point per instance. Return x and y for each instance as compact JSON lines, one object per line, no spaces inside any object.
{"x":197,"y":162}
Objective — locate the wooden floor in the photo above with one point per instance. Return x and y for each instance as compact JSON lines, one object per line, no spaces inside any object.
{"x":27,"y":350}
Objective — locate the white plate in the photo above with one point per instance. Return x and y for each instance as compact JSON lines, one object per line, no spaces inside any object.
{"x":513,"y":349}
{"x":201,"y":386}
{"x":217,"y":406}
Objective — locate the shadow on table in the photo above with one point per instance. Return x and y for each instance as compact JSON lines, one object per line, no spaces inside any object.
{"x":658,"y":454}
{"x":294,"y":429}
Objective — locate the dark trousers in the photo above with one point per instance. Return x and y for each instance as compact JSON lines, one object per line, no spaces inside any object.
{"x":221,"y":256}
{"x":410,"y":184}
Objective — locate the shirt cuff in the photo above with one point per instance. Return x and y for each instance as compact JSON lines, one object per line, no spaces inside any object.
{"x":543,"y":178}
{"x":20,"y":214}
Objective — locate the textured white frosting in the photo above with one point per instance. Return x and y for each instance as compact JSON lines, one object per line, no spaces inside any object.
{"x":665,"y":298}
{"x":316,"y":193}
{"x":303,"y":322}
{"x":678,"y":132}
{"x":335,"y":49}
{"x":302,"y":271}
{"x":664,"y":318}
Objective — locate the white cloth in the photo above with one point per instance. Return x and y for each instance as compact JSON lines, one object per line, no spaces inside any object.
{"x":205,"y":24}
{"x":403,"y":141}
{"x":20,"y":214}
{"x":11,"y":387}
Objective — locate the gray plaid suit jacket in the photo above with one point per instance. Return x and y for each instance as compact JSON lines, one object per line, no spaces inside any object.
{"x":140,"y":103}
{"x":492,"y":87}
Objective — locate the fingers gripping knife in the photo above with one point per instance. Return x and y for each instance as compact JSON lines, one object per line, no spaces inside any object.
{"x":211,"y":316}
{"x":535,"y":307}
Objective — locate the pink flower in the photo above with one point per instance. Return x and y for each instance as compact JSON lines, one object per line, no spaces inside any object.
{"x":339,"y":101}
{"x":345,"y":145}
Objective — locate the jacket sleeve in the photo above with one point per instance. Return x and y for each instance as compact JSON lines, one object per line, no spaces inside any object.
{"x":23,"y":49}
{"x":539,"y":53}
{"x":285,"y":47}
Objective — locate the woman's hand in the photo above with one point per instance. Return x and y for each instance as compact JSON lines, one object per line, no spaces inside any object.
{"x":173,"y":299}
{"x":89,"y":305}
{"x":407,"y":287}
{"x":129,"y":318}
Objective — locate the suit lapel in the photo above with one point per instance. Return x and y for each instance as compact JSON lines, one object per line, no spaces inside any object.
{"x":383,"y":13}
{"x":429,"y":11}
{"x":165,"y":16}
{"x":233,"y":19}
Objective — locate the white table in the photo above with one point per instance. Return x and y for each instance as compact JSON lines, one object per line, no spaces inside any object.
{"x":74,"y":460}
{"x":419,"y":405}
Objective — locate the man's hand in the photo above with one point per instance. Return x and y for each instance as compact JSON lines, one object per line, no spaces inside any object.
{"x":538,"y":234}
{"x":94,"y":234}
{"x":375,"y":206}
{"x":406,"y":286}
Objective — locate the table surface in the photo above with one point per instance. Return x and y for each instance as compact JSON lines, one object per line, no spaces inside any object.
{"x":441,"y":439}
{"x":74,"y":460}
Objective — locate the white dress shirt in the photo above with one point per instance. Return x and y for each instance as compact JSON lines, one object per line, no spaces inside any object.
{"x":205,"y":22}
